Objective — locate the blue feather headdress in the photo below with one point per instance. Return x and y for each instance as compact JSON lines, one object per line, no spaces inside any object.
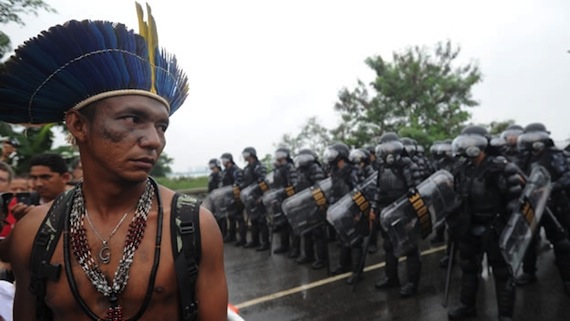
{"x":75,"y":64}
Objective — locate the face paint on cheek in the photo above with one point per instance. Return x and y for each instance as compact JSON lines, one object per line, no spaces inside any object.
{"x":115,"y":134}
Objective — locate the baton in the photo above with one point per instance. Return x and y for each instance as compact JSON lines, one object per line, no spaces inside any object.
{"x":448,"y":276}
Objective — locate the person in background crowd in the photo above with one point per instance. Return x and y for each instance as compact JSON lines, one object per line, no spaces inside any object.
{"x":233,"y":175}
{"x":10,"y":152}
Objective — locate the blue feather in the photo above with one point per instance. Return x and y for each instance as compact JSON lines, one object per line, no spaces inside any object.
{"x":69,"y":63}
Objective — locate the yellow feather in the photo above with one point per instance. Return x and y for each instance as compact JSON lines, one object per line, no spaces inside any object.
{"x":147,"y":29}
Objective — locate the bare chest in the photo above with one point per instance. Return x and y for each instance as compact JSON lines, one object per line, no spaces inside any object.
{"x":150,"y":293}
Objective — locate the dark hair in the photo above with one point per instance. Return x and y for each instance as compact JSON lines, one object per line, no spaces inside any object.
{"x":55,"y":162}
{"x":8,"y":169}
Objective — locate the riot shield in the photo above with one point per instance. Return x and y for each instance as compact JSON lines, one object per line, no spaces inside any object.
{"x":523,"y":223}
{"x":251,"y":195}
{"x":304,"y":210}
{"x":415,"y":215}
{"x":272,"y":201}
{"x":222,"y":201}
{"x":344,"y":214}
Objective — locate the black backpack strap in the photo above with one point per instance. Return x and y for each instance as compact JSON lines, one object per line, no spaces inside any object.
{"x":44,"y":245}
{"x":186,"y":249}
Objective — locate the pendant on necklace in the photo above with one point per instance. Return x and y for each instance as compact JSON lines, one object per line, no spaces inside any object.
{"x":105,"y":254}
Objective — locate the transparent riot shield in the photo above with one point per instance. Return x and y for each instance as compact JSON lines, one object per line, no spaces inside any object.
{"x":222,"y":201}
{"x":349,"y":210}
{"x":251,"y":195}
{"x":415,"y":215}
{"x":272,"y":201}
{"x":523,"y":223}
{"x":304,"y":210}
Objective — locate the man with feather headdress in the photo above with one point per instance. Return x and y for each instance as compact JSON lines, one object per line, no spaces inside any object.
{"x":108,"y":249}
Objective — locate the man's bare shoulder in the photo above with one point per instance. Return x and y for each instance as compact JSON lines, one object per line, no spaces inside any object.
{"x":29,"y":224}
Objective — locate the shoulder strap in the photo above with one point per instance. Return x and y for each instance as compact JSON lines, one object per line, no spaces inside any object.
{"x":186,"y":250}
{"x":42,"y":250}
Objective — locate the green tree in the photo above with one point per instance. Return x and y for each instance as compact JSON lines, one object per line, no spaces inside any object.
{"x":162,"y":167}
{"x":423,"y":94}
{"x":13,"y":11}
{"x":497,"y":127}
{"x":313,"y":135}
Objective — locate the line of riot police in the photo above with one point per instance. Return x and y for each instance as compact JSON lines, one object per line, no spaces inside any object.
{"x":489,"y":194}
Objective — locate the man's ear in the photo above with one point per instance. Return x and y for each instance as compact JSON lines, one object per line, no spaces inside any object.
{"x":77,"y":125}
{"x":66,"y":177}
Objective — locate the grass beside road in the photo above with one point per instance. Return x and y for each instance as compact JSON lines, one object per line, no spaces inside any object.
{"x":183,"y":183}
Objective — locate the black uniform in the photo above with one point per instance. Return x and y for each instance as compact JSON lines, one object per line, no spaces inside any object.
{"x":553,"y":160}
{"x":314,"y":241}
{"x":345,"y":180}
{"x":233,"y":175}
{"x":394,"y":181}
{"x":477,"y":227}
{"x":286,"y":176}
{"x":255,"y":173}
{"x":214,"y":181}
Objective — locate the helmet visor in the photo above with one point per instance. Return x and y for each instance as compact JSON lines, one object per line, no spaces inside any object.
{"x":280,"y":155}
{"x":303,"y":160}
{"x":330,"y":155}
{"x":468,"y":145}
{"x":357,"y":156}
{"x":526,"y":141}
{"x":389,"y":148}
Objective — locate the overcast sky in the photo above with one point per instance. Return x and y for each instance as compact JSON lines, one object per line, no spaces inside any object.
{"x":259,"y":69}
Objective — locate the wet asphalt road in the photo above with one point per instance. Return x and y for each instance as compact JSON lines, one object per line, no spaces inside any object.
{"x":276,"y":288}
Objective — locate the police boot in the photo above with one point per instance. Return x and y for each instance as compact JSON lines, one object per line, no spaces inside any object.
{"x":414,"y":267}
{"x":373,"y":242}
{"x":356,"y":258}
{"x":242,"y":231}
{"x":254,"y":237}
{"x":505,"y":298}
{"x":320,"y":253}
{"x":231,"y":234}
{"x":466,"y":308}
{"x":391,"y":280}
{"x":264,"y":232}
{"x":284,"y":247}
{"x":295,"y":248}
{"x":343,"y":260}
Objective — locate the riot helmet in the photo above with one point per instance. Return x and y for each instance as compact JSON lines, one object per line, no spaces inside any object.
{"x":409,"y":146}
{"x":471,"y":142}
{"x":336,"y":152}
{"x":214,"y":162}
{"x":444,"y":149}
{"x":358,"y":156}
{"x":282,"y":153}
{"x":305,"y":158}
{"x":249,"y":152}
{"x":511,"y":134}
{"x":534,"y":139}
{"x":227,"y":158}
{"x":433,"y":148}
{"x":390,"y":148}
{"x":420,"y":149}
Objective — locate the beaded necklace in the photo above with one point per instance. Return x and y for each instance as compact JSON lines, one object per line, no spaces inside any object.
{"x":82,"y":250}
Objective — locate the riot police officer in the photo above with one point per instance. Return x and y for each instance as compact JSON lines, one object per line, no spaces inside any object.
{"x":396,"y":177}
{"x":254,"y":173}
{"x":483,"y":184}
{"x":536,"y":148}
{"x":344,"y":178}
{"x":510,"y":138}
{"x":214,"y":181}
{"x":314,"y":241}
{"x":285,"y":176}
{"x":233,"y":175}
{"x":215,"y":177}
